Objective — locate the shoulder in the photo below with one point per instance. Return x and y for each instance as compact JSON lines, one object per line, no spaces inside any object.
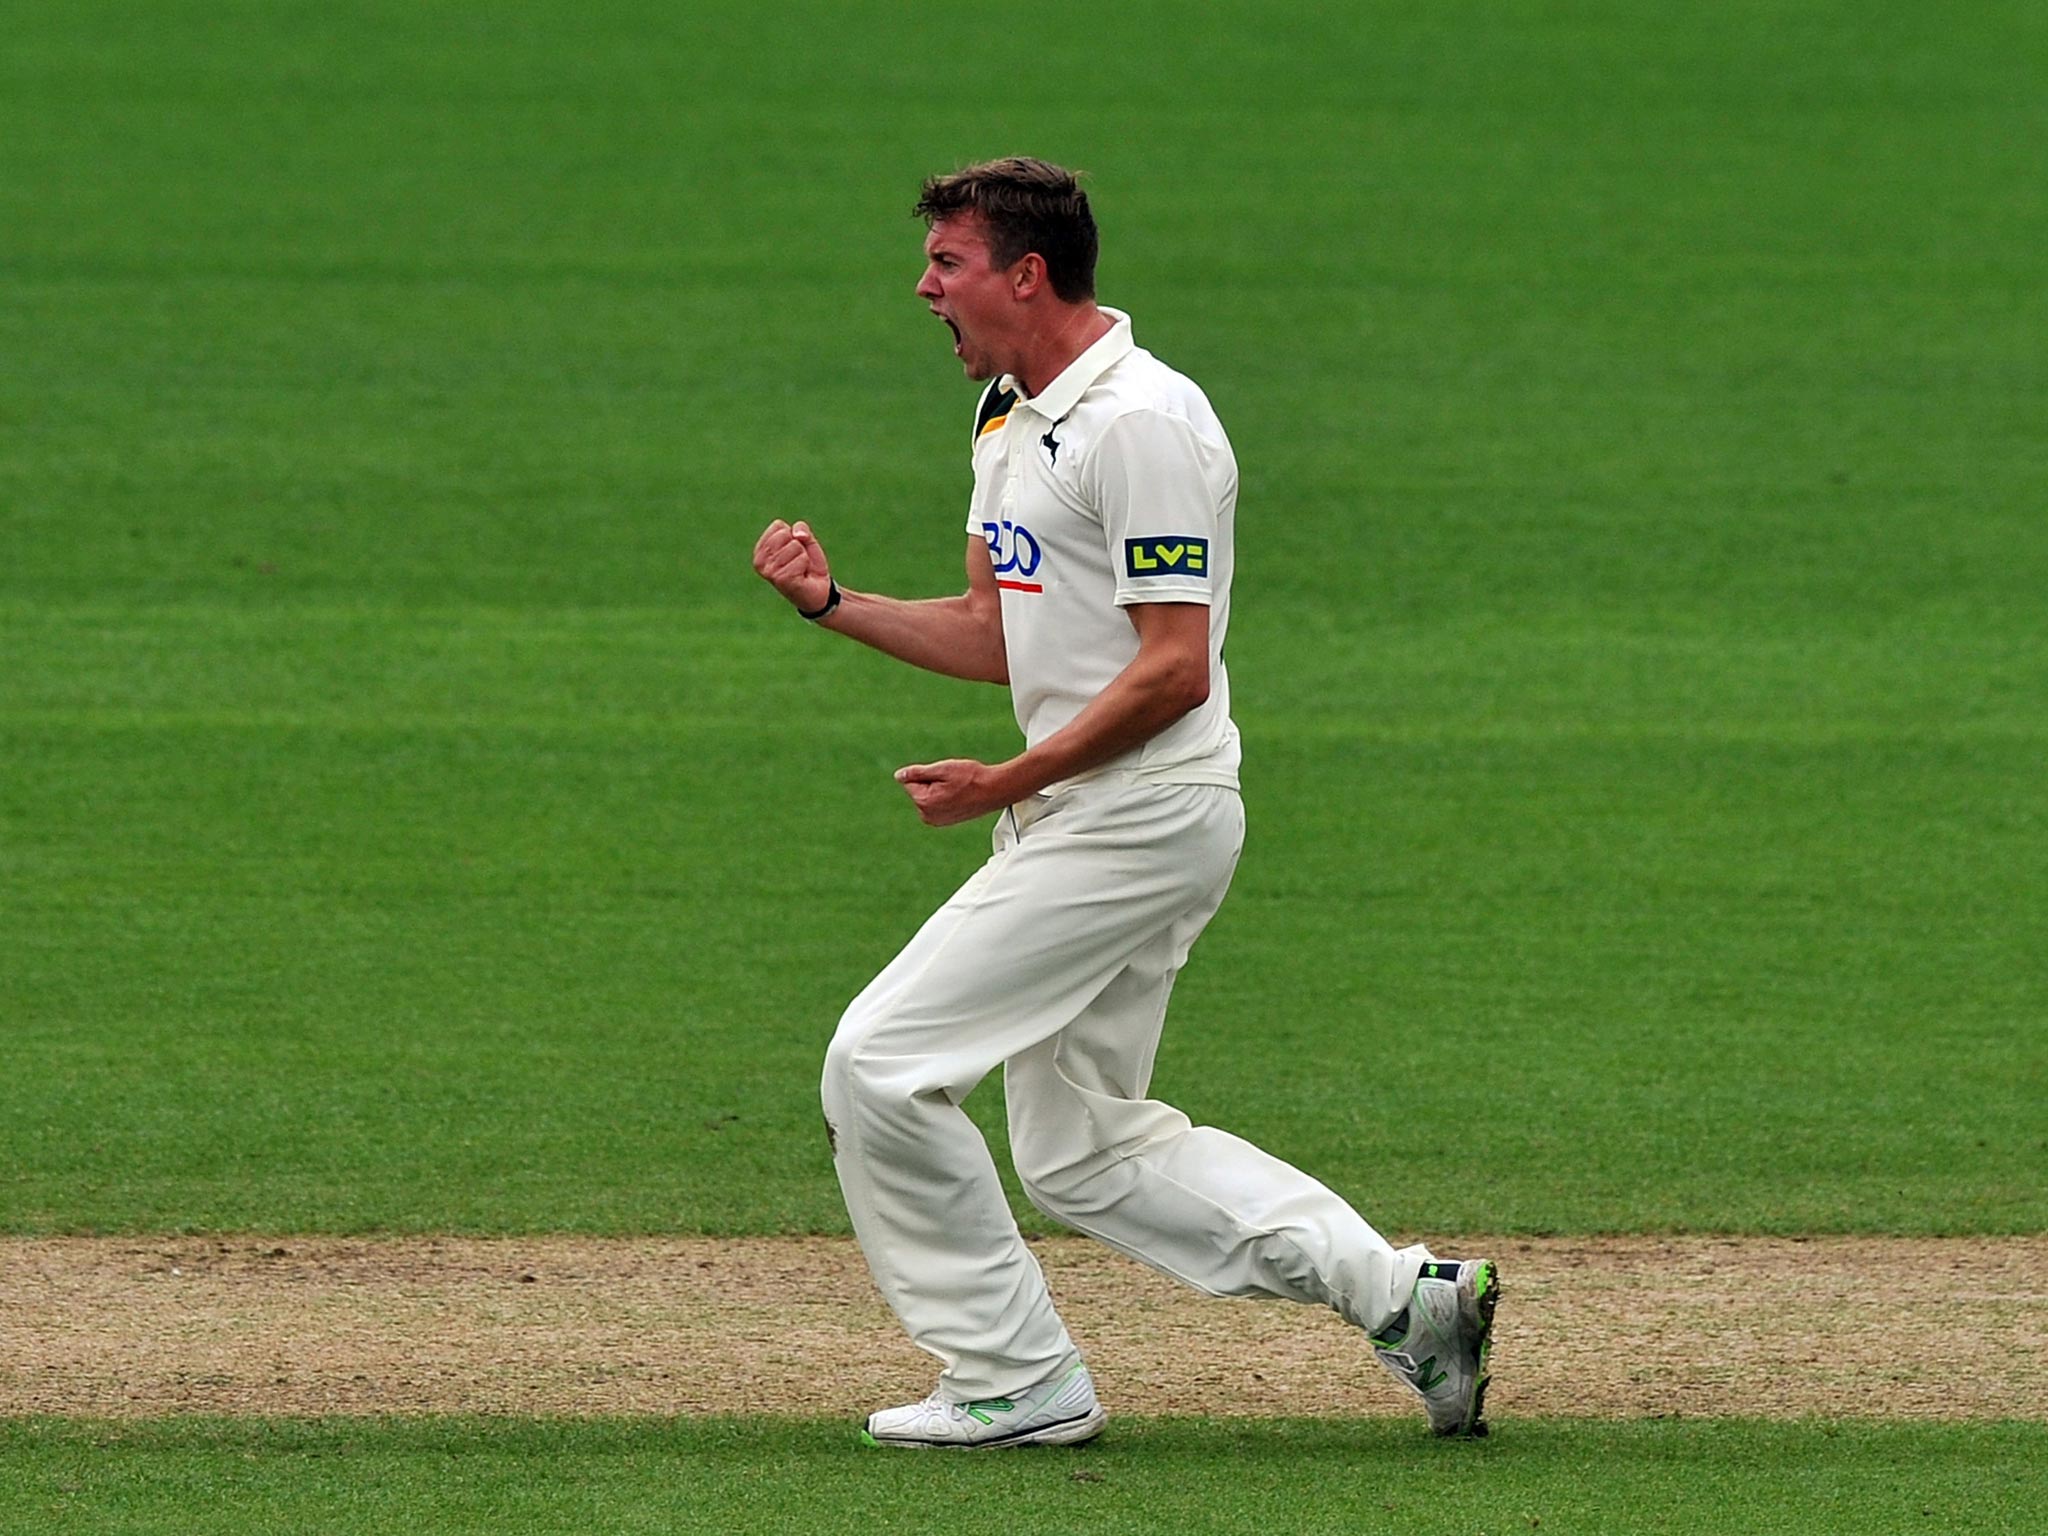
{"x":1140,"y":376}
{"x":1141,"y":392}
{"x":995,"y":405}
{"x":1156,"y":429}
{"x":1156,"y":444}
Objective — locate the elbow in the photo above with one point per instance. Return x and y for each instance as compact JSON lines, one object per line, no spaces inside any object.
{"x":985,"y":656}
{"x":1176,"y":683}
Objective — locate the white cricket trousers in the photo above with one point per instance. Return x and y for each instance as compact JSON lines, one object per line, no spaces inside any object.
{"x":1056,"y":960}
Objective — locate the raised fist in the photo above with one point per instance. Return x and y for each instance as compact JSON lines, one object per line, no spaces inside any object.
{"x":791,"y":560}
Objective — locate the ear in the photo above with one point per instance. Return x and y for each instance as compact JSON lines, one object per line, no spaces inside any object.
{"x":1028,"y":277}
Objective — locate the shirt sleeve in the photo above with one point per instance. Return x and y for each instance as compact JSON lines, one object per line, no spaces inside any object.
{"x":1158,"y":509}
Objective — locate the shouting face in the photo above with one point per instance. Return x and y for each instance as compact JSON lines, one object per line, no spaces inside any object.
{"x":970,"y":293}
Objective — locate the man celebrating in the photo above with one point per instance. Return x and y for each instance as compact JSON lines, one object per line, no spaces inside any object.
{"x":1099,"y":560}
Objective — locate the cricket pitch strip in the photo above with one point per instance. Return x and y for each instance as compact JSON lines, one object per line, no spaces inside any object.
{"x":1621,"y":1327}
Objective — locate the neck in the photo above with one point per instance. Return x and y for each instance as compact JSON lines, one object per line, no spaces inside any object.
{"x":1071,"y":330}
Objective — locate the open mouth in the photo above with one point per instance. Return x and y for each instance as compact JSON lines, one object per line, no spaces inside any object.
{"x":954,"y":329}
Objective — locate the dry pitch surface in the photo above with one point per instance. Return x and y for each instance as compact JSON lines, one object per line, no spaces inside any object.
{"x":1609,"y":1327}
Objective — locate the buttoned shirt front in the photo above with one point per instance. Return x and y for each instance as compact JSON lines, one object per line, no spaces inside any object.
{"x":1114,"y":485}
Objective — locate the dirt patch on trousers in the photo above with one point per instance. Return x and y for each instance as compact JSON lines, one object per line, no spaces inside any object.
{"x":1608,"y":1327}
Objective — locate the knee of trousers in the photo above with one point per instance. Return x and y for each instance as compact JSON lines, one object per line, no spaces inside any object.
{"x":839,"y":1088}
{"x":860,"y":1080}
{"x":1070,"y":1188}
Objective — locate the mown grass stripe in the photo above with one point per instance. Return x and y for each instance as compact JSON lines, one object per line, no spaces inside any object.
{"x":1700,"y":1478}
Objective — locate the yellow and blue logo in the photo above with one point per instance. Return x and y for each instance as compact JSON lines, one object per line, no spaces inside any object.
{"x":1166,"y":557}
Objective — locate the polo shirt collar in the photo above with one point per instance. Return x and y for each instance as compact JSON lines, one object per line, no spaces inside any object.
{"x":1064,"y":392}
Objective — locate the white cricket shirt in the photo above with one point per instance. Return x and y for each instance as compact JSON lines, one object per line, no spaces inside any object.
{"x":1113,"y":485}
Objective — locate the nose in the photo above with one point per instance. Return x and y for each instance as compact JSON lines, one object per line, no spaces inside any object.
{"x":928,"y":285}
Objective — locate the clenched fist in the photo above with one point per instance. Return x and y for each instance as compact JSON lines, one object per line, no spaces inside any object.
{"x":791,"y":560}
{"x":957,"y":790}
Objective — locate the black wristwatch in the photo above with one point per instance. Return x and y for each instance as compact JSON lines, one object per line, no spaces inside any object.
{"x":819,"y":615}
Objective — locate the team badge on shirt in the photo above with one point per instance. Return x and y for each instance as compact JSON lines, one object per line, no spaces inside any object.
{"x":1166,"y":557}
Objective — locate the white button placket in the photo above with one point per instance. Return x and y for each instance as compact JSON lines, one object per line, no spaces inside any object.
{"x":1011,"y":438}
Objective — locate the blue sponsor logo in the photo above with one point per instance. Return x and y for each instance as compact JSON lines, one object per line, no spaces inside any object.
{"x":1166,"y":557}
{"x":1012,"y":548}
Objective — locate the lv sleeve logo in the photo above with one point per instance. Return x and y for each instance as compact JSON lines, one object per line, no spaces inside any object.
{"x":1166,"y":557}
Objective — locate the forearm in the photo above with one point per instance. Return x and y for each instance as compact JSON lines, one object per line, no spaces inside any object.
{"x":941,"y":634}
{"x":1154,"y":691}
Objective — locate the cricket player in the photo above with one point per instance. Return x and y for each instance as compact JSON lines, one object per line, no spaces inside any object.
{"x":1100,"y":546}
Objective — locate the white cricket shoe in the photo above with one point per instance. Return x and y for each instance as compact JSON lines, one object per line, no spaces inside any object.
{"x":1438,"y":1344}
{"x":1061,"y":1410}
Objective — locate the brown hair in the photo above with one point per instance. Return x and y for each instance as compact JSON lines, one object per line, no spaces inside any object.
{"x":1026,"y":205}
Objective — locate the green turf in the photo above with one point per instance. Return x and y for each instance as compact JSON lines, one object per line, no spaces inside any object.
{"x":1707,"y":1477}
{"x":415,"y":815}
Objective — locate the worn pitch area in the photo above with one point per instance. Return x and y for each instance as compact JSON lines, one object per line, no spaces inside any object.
{"x":1609,"y":1327}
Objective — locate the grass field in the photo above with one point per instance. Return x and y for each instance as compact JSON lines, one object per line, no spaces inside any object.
{"x":416,"y":817}
{"x":1182,"y":1475}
